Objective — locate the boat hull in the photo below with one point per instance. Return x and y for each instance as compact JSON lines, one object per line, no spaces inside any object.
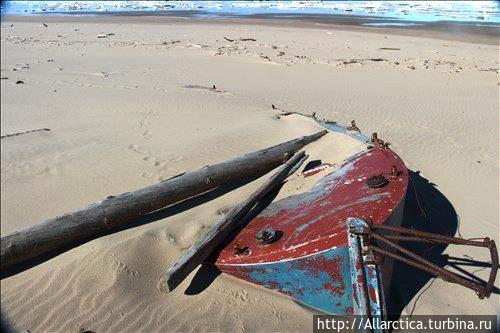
{"x":311,"y":260}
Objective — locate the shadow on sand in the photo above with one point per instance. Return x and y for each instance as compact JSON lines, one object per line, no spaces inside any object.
{"x":152,"y":217}
{"x":5,"y":325}
{"x":426,"y":209}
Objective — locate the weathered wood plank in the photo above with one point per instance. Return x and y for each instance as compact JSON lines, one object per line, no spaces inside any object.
{"x":116,"y":211}
{"x":200,"y":250}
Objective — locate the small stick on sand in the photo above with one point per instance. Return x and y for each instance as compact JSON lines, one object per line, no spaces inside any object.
{"x":26,"y":132}
{"x":200,"y":250}
{"x":241,"y":39}
{"x":212,"y":88}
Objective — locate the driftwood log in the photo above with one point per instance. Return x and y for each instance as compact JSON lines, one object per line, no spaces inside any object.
{"x":116,"y":211}
{"x":200,"y":250}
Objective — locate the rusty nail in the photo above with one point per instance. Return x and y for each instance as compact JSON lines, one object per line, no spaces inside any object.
{"x":394,"y":171}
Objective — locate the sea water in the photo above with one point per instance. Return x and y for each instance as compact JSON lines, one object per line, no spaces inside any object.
{"x":405,"y":11}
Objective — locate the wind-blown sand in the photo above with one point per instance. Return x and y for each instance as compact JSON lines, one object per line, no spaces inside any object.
{"x":120,"y":118}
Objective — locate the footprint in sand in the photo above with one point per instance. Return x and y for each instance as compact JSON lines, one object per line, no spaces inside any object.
{"x":144,"y":129}
{"x":159,"y":89}
{"x":160,"y":166}
{"x":144,"y":124}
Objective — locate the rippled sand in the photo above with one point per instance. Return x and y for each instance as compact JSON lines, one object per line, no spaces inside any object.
{"x":120,"y":117}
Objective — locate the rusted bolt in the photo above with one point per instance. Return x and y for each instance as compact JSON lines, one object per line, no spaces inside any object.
{"x":372,"y":258}
{"x":394,"y":171}
{"x":267,"y":235}
{"x":353,"y":126}
{"x":376,"y":141}
{"x":369,"y":257}
{"x":377,"y":181}
{"x":241,"y":250}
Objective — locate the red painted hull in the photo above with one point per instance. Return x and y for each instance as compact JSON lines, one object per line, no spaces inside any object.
{"x":314,"y":223}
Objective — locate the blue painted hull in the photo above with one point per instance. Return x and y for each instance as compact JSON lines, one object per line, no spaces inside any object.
{"x":321,"y":281}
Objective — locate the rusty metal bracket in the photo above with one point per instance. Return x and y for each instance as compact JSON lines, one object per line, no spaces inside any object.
{"x":376,"y":142}
{"x":374,"y":239}
{"x":368,"y":296}
{"x":353,"y":126}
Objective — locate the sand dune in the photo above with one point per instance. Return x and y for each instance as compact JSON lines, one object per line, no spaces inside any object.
{"x":120,"y":118}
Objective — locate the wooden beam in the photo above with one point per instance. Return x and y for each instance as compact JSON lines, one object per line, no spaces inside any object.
{"x":200,"y":250}
{"x":116,"y":211}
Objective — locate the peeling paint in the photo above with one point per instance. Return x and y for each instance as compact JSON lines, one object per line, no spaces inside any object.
{"x":311,"y":261}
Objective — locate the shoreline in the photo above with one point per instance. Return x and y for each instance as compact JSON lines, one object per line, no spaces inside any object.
{"x":445,"y":30}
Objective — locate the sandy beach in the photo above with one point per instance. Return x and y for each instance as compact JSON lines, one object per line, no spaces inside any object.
{"x":118,"y":103}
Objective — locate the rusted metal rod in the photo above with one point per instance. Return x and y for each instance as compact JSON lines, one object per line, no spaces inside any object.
{"x":423,"y":240}
{"x":412,"y":255}
{"x":427,"y":235}
{"x":428,"y":266}
{"x":447,"y":276}
{"x":421,"y":263}
{"x":413,"y":239}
